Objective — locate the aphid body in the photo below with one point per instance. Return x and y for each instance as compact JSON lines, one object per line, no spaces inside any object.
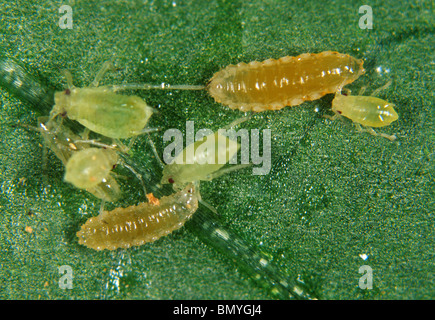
{"x":367,"y":111}
{"x":288,"y":81}
{"x":200,"y":160}
{"x":63,"y":142}
{"x":87,"y":168}
{"x":103,"y":111}
{"x":137,"y":225}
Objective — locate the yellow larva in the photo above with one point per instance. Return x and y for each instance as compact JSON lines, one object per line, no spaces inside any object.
{"x":288,"y":81}
{"x":367,"y":111}
{"x":137,"y":225}
{"x":101,"y":110}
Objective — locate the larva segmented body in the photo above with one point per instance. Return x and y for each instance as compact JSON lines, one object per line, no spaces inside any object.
{"x":288,"y":81}
{"x":137,"y":225}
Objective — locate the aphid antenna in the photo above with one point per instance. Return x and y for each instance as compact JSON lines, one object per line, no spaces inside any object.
{"x":108,"y":65}
{"x":68,"y":77}
{"x":147,"y":86}
{"x":374,"y":133}
{"x":385,"y":86}
{"x":154,"y":149}
{"x":137,"y":174}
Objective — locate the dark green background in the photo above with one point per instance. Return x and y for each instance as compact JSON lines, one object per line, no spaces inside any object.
{"x":333,"y":194}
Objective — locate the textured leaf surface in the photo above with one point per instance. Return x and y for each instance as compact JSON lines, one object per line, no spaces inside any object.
{"x":333,"y":198}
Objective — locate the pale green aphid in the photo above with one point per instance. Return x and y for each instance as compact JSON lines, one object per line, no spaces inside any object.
{"x":367,"y":111}
{"x":101,"y":110}
{"x":186,"y":166}
{"x":202,"y":160}
{"x":65,"y":143}
{"x":88,"y":168}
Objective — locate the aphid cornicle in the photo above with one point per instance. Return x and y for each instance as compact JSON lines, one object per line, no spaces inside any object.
{"x":102,"y":110}
{"x":137,"y":225}
{"x":288,"y":81}
{"x":367,"y":111}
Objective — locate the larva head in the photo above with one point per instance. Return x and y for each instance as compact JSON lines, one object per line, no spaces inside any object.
{"x":89,"y":167}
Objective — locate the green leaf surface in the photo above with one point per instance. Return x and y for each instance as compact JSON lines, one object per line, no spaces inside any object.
{"x":334,"y":200}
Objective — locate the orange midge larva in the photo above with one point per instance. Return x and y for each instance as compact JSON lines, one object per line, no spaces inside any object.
{"x":288,"y":81}
{"x":137,"y":225}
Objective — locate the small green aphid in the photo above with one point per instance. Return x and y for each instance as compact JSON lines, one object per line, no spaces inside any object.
{"x":88,"y":168}
{"x":191,"y":165}
{"x":65,"y":143}
{"x":102,"y":110}
{"x":202,"y":160}
{"x":366,"y":111}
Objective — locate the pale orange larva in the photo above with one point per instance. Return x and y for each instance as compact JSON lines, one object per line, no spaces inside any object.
{"x":137,"y":225}
{"x":288,"y":81}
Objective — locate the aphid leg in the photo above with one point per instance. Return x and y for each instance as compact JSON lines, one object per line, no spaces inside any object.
{"x":26,"y":126}
{"x":207,"y":205}
{"x":102,"y":206}
{"x":362,"y":90}
{"x":85,"y":134}
{"x":222,"y":172}
{"x":108,"y":65}
{"x":203,"y":202}
{"x":332,"y":118}
{"x":138,"y":176}
{"x":385,"y":86}
{"x":374,"y":133}
{"x":154,"y":149}
{"x":146,"y":130}
{"x":68,"y":77}
{"x":93,"y":142}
